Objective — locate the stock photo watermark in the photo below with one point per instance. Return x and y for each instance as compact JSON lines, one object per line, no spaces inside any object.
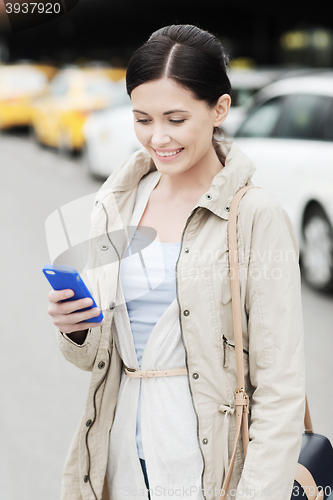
{"x":187,"y":492}
{"x":26,"y":14}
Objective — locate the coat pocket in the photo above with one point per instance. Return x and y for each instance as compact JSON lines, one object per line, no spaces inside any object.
{"x":226,"y":308}
{"x":230,"y":366}
{"x":230,"y":347}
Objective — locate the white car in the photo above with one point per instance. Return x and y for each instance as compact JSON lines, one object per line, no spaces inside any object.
{"x":244,"y":84}
{"x":110,"y":139}
{"x":289,"y":136}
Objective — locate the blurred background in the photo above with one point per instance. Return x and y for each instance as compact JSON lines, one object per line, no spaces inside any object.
{"x":66,"y":125}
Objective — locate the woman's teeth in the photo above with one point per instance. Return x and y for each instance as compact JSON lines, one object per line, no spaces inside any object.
{"x":169,"y":154}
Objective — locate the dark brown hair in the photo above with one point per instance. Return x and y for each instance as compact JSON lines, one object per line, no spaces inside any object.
{"x":194,"y":58}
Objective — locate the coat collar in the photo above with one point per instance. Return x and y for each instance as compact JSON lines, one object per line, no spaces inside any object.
{"x":236,"y":173}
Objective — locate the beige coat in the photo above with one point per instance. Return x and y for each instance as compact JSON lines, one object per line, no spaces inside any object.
{"x":272,"y":333}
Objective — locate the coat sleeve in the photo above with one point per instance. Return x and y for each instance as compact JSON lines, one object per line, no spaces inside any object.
{"x":84,"y":355}
{"x":276,"y":355}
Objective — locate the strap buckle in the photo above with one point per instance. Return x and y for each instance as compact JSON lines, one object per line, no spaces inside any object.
{"x":241,"y":390}
{"x":242,"y":399}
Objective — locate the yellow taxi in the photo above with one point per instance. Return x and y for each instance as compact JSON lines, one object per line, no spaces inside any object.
{"x":58,"y":118}
{"x":19,"y":85}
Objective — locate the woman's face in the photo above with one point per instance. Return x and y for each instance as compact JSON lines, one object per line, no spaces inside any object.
{"x":175,"y":128}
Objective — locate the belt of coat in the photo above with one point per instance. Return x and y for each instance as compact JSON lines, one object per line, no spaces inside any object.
{"x":132,"y":372}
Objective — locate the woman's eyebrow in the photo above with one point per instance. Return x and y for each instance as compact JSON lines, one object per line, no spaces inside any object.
{"x":166,"y":113}
{"x":137,"y":111}
{"x":175,"y":111}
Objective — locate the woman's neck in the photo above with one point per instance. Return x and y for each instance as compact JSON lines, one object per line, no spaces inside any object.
{"x":193,"y":182}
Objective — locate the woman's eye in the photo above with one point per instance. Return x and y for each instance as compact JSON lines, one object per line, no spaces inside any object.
{"x":146,"y":120}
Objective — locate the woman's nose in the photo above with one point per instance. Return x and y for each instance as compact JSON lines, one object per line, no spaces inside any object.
{"x":159,"y":136}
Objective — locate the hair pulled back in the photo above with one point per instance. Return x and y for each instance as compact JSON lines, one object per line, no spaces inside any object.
{"x":194,"y":58}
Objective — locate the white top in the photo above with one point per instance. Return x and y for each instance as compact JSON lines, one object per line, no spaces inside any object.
{"x":168,"y":421}
{"x":146,"y":307}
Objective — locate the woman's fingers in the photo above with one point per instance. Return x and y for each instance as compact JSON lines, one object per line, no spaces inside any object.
{"x":57,"y":295}
{"x":58,"y":307}
{"x":75,"y":321}
{"x":80,"y":316}
{"x":70,"y":306}
{"x":68,"y":316}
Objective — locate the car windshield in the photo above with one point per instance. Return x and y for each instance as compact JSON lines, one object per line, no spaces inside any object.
{"x":304,"y":117}
{"x":293,"y":116}
{"x":239,"y":97}
{"x":262,"y":120}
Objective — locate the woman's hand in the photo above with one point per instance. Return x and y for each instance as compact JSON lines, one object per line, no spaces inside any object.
{"x":67,"y":316}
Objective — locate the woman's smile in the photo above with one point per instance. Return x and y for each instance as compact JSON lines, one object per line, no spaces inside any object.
{"x":168,"y":154}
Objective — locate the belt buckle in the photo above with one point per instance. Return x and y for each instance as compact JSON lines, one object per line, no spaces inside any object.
{"x":131,"y":370}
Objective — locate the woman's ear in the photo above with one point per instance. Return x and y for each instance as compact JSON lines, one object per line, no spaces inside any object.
{"x":221,"y":109}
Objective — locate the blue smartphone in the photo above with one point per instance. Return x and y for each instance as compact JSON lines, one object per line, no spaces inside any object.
{"x":63,"y":277}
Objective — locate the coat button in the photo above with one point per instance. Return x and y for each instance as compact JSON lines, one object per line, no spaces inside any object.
{"x":227,"y":209}
{"x":86,"y":478}
{"x":104,"y":247}
{"x":195,"y":375}
{"x":186,"y":312}
{"x":88,"y":423}
{"x":205,"y":441}
{"x":186,"y":250}
{"x":112,"y":305}
{"x":208,"y":196}
{"x":101,"y":365}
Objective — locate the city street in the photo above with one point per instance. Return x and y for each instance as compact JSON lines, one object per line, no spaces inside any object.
{"x":42,"y":395}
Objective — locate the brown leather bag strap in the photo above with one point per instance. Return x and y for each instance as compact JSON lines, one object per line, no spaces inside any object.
{"x":234,"y":283}
{"x":307,"y":419}
{"x":241,"y":398}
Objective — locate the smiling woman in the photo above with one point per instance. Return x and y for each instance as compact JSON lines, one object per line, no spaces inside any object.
{"x":177,"y":128}
{"x":160,"y":414}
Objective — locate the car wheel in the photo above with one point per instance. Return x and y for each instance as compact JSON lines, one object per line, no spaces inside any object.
{"x":64,"y":144}
{"x":317,"y":252}
{"x":34,"y":135}
{"x":86,"y":161}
